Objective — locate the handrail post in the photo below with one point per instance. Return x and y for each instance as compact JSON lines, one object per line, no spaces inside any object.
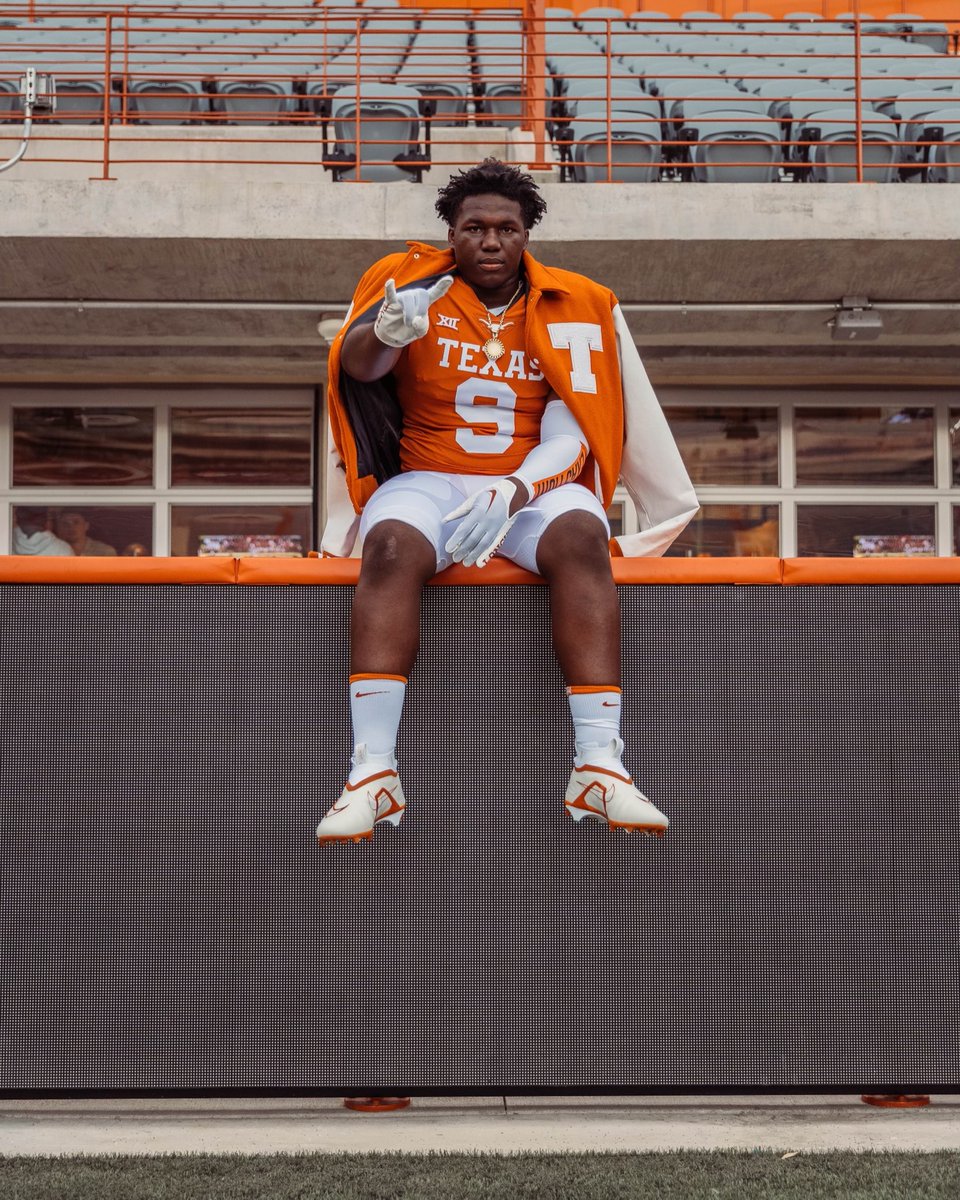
{"x":124,"y":113}
{"x":107,"y":84}
{"x":535,"y":81}
{"x":858,"y":91}
{"x":358,"y":156}
{"x":609,"y":90}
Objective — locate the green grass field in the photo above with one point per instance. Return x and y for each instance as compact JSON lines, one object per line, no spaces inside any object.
{"x":689,"y":1175}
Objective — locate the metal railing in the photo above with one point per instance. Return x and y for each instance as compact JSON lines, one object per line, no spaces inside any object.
{"x":365,"y":94}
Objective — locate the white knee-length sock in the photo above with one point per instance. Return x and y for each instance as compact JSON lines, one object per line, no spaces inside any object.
{"x":596,"y":722}
{"x":376,"y":703}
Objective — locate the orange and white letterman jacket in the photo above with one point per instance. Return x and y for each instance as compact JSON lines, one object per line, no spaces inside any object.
{"x":577,"y":333}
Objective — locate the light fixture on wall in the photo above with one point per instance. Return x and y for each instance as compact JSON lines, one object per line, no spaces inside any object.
{"x":329,"y":326}
{"x":856,"y":321}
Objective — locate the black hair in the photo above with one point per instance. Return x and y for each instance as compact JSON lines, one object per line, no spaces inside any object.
{"x":496,"y":177}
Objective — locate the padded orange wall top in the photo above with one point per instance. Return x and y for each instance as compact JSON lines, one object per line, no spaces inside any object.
{"x":344,"y":571}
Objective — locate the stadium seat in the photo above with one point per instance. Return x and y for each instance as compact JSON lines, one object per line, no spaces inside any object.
{"x":165,"y":99}
{"x":622,"y":101}
{"x":943,"y":128}
{"x":634,"y":150}
{"x":701,"y":101}
{"x":733,"y":147}
{"x":916,"y":112}
{"x":250,"y":92}
{"x":11,"y":103}
{"x":79,"y":82}
{"x":438,"y":66}
{"x":498,"y":61}
{"x":917,"y":29}
{"x":828,"y":152}
{"x":385,"y":119}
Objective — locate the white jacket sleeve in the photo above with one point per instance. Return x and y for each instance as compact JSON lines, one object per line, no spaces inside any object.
{"x":651,"y":470}
{"x":342,"y":523}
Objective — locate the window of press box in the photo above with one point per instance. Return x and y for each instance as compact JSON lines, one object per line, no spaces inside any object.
{"x":278,"y":530}
{"x":82,"y":530}
{"x":848,"y":446}
{"x":234,"y":447}
{"x":955,"y":445}
{"x":727,"y":445}
{"x":866,"y":530}
{"x":956,"y":529}
{"x":722,"y":530}
{"x":616,"y":517}
{"x":82,"y":447}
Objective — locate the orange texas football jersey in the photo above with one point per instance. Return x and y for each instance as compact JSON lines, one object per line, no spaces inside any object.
{"x":462,"y":413}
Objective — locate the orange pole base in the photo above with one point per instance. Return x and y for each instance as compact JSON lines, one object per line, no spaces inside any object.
{"x":376,"y":1104}
{"x":897,"y":1101}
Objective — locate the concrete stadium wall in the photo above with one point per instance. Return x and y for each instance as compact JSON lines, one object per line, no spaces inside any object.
{"x":86,"y":263}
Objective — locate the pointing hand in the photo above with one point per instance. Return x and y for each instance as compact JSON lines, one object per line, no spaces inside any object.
{"x":404,"y":316}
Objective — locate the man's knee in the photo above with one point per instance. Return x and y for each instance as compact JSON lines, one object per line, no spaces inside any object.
{"x":395,"y":550}
{"x":578,"y":541}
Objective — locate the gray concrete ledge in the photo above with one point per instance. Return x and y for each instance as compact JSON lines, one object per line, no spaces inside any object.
{"x":212,"y":238}
{"x":501,"y":1125}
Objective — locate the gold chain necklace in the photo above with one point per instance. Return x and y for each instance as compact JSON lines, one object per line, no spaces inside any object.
{"x":493,"y":347}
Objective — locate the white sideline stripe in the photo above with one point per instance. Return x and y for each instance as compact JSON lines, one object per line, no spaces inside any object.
{"x":495,"y":1125}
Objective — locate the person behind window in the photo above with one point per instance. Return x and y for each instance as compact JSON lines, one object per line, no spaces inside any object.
{"x":74,"y":528}
{"x":135,"y":550}
{"x":32,"y":534}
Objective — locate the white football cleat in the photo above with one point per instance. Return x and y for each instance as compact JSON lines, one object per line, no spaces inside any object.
{"x":604,"y":792}
{"x":362,"y":805}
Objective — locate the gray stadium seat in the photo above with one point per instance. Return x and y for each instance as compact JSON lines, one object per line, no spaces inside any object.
{"x":944,"y":161}
{"x":438,"y":66}
{"x":387,"y":117}
{"x":915,"y":112}
{"x":634,"y":150}
{"x":830,"y":153}
{"x":165,"y":99}
{"x":79,"y":82}
{"x":450,"y":93}
{"x":917,"y":29}
{"x":599,"y":23}
{"x":700,"y":101}
{"x":621,"y":101}
{"x":376,"y":56}
{"x":499,"y":65}
{"x":733,"y":147}
{"x":251,"y":92}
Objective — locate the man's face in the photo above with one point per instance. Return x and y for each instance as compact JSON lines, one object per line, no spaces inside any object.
{"x":71,"y":526}
{"x":488,"y":240}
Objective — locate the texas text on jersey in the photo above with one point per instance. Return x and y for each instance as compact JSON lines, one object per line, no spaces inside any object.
{"x":462,"y":412}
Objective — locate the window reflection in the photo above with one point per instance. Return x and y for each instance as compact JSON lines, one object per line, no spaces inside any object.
{"x":721,"y":530}
{"x":83,"y":531}
{"x":727,"y":445}
{"x":865,"y":530}
{"x":955,"y":445}
{"x":83,"y":447}
{"x":864,"y":445}
{"x":241,"y":446}
{"x":234,"y":530}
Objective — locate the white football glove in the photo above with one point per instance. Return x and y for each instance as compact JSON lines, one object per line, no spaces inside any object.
{"x":403,"y":315}
{"x":486,"y":522}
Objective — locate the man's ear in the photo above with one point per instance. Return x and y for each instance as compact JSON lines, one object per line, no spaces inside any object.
{"x":450,"y":235}
{"x":526,"y":238}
